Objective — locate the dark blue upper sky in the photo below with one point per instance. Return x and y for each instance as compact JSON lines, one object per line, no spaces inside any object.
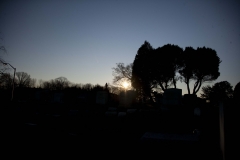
{"x":82,"y":40}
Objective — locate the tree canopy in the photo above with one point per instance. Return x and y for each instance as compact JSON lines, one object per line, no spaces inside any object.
{"x":200,"y":65}
{"x":142,"y":79}
{"x":167,"y":64}
{"x":220,"y":91}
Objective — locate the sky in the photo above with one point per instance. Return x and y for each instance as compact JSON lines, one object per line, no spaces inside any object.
{"x":83,"y":40}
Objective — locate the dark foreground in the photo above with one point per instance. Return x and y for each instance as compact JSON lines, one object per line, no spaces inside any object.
{"x":95,"y":133}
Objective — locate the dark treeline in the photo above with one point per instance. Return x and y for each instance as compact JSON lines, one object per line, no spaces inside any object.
{"x":26,"y":89}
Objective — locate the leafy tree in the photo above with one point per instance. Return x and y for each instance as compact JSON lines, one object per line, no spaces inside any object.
{"x":165,"y":64}
{"x":160,"y":67}
{"x":156,"y":67}
{"x":201,"y":65}
{"x":220,"y":91}
{"x":141,"y":72}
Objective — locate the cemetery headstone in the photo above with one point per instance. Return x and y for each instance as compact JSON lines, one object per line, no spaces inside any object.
{"x":172,"y":96}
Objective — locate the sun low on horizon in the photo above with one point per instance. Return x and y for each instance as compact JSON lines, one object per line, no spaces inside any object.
{"x":126,"y":84}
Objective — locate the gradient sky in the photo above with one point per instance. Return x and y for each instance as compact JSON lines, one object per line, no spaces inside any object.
{"x":83,"y":39}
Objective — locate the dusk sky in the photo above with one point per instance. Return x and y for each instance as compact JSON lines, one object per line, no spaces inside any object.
{"x":83,"y":40}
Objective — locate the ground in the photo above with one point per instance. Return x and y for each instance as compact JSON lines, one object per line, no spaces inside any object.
{"x":87,"y":131}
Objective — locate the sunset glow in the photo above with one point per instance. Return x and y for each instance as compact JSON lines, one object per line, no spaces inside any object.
{"x":125,"y":84}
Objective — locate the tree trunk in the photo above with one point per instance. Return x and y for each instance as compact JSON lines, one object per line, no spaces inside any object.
{"x":174,"y":83}
{"x":195,"y":86}
{"x":188,"y":86}
{"x":161,"y":85}
{"x":199,"y":85}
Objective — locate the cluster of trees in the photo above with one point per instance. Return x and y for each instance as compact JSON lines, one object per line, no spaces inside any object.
{"x":164,"y":66}
{"x":22,"y":80}
{"x":25,"y":88}
{"x":219,"y":91}
{"x":59,"y":83}
{"x":2,"y":66}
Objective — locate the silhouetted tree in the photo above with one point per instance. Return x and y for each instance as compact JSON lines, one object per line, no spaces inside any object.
{"x":23,"y":80}
{"x":98,"y":87}
{"x":33,"y":83}
{"x":122,"y":72}
{"x":59,"y":83}
{"x":40,"y":83}
{"x":114,"y":89}
{"x":201,"y":65}
{"x":46,"y":85}
{"x":141,"y":71}
{"x":165,"y":64}
{"x":220,"y":91}
{"x":3,"y":67}
{"x":6,"y":81}
{"x":87,"y":87}
{"x":187,"y":60}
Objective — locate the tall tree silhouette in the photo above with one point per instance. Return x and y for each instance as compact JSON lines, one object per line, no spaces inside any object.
{"x":141,"y":71}
{"x":200,"y":65}
{"x":165,"y":64}
{"x":187,"y":64}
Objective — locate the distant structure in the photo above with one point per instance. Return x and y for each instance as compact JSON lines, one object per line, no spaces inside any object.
{"x":172,"y":96}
